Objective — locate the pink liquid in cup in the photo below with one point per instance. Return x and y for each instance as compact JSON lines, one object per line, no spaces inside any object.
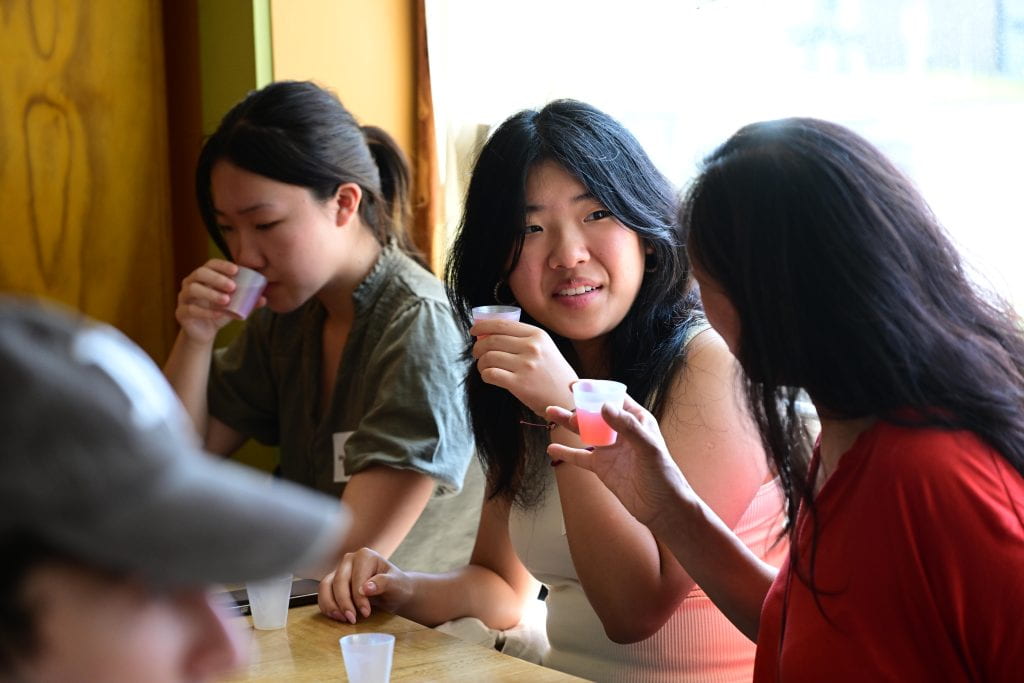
{"x":594,"y":430}
{"x":589,"y":395}
{"x":249,"y":286}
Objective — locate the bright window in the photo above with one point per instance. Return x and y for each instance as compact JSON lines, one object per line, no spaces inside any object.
{"x":938,"y":84}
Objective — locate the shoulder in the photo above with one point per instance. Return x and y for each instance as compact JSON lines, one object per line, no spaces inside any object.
{"x":409,"y":281}
{"x":706,"y":388}
{"x":929,"y":451}
{"x":932,"y":464}
{"x":707,"y":362}
{"x":409,"y":299}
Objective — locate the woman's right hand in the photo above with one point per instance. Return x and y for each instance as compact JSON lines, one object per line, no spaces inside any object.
{"x":637,"y":468}
{"x":204,"y":294}
{"x":524,"y":360}
{"x":363,"y":580}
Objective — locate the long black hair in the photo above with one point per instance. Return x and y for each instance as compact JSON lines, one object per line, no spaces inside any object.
{"x":846,"y":285}
{"x":646,"y":347}
{"x":298,"y":133}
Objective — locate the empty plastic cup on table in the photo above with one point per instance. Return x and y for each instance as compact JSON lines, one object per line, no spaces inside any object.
{"x":268,"y":601}
{"x":589,"y":395}
{"x":368,"y":656}
{"x":249,"y":285}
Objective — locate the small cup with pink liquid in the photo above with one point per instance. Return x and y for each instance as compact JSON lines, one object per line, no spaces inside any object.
{"x":495,"y":313}
{"x":249,"y":285}
{"x":589,"y":395}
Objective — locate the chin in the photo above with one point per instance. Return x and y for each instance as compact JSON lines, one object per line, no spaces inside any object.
{"x":576,"y":334}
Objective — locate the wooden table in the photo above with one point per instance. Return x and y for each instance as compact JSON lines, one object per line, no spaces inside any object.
{"x":307,"y":650}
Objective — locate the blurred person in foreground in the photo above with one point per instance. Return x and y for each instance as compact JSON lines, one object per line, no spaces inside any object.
{"x":114,"y":525}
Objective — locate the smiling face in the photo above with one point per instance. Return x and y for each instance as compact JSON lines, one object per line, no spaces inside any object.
{"x":580,"y":268}
{"x":278,"y":229}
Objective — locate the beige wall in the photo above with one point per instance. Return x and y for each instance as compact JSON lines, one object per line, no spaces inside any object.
{"x":361,"y":49}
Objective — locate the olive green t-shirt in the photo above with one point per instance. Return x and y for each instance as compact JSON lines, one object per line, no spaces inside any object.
{"x":398,"y":397}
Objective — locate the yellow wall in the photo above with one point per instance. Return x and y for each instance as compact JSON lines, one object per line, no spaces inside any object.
{"x":363,"y":50}
{"x":84,"y":162}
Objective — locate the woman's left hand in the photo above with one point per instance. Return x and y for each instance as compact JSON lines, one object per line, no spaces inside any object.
{"x":524,"y":360}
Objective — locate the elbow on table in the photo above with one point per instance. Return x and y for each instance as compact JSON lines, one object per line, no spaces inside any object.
{"x":633,"y":629}
{"x":504,"y":617}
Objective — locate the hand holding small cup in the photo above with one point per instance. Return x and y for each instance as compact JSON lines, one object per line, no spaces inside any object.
{"x":249,"y":285}
{"x":637,"y":468}
{"x":213,"y":294}
{"x":589,"y":395}
{"x":512,"y":313}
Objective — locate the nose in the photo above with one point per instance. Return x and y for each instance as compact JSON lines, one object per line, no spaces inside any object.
{"x":245,"y":249}
{"x":216,"y":643}
{"x":568,"y":249}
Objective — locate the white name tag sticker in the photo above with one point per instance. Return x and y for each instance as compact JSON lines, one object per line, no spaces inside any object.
{"x":339,"y":439}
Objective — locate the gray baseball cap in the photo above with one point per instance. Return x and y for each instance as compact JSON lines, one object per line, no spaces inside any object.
{"x":99,"y":460}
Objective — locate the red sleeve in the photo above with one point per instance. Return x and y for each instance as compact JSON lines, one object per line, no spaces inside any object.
{"x":964,"y":508}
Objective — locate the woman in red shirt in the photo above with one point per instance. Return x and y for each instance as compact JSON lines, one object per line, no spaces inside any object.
{"x":825,"y":271}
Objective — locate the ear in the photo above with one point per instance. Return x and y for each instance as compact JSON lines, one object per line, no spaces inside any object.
{"x":347,"y":199}
{"x":648,"y":249}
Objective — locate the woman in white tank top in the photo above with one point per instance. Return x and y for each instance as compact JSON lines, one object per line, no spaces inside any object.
{"x":567,"y":217}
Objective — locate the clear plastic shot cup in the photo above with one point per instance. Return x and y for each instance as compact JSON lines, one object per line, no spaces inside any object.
{"x":368,"y":656}
{"x":268,"y":601}
{"x":589,"y":395}
{"x":249,"y":285}
{"x":495,"y":313}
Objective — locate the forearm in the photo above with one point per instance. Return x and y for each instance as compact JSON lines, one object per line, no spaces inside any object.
{"x":471,"y":591}
{"x":385,"y":504}
{"x":633,"y":583}
{"x":188,"y":371}
{"x":735,"y":579}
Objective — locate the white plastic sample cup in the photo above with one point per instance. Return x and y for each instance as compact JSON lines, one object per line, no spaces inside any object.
{"x":249,"y":286}
{"x":268,"y":601}
{"x":589,"y":395}
{"x":368,"y":656}
{"x":495,"y":313}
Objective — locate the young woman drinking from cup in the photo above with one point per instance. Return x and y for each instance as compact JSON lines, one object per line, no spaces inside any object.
{"x":823,"y":269}
{"x":567,"y":216}
{"x":352,"y":367}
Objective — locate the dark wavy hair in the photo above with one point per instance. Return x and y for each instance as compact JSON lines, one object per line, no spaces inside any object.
{"x":645,"y":349}
{"x":298,"y":133}
{"x":846,"y":286}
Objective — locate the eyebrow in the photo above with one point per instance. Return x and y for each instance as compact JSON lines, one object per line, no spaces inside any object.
{"x":248,"y":209}
{"x":531,"y":208}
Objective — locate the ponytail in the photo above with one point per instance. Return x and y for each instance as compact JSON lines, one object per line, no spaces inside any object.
{"x":393,"y":209}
